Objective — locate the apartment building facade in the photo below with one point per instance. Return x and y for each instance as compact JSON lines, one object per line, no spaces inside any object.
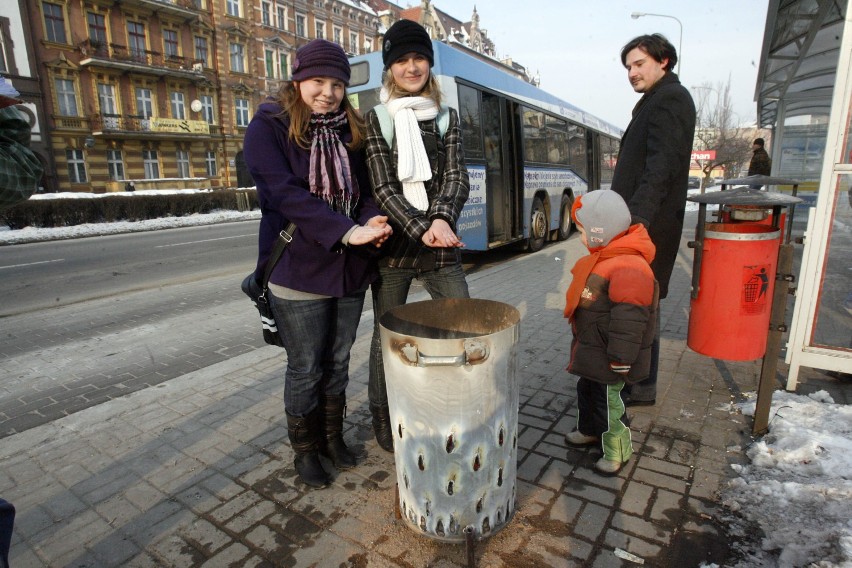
{"x":141,"y":90}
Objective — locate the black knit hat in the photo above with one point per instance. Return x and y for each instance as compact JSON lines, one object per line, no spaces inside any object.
{"x":320,"y":58}
{"x":404,"y":37}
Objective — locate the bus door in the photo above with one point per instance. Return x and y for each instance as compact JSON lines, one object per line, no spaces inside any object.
{"x":593,"y":144}
{"x":499,"y":166}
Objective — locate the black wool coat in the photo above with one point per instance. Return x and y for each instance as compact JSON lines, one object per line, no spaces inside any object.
{"x":652,"y":171}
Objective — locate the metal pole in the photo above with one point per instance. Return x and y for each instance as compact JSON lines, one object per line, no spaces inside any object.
{"x":769,"y":367}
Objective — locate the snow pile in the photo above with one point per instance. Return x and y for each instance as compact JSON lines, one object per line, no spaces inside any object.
{"x":798,"y":487}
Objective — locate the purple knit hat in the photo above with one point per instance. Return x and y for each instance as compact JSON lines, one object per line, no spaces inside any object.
{"x":320,"y":58}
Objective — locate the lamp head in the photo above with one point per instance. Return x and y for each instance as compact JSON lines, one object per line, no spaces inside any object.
{"x":637,"y":15}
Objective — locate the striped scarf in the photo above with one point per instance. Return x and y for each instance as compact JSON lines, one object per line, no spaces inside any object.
{"x":330,"y":176}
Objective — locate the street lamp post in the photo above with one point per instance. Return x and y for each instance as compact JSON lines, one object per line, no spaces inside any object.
{"x":637,"y":15}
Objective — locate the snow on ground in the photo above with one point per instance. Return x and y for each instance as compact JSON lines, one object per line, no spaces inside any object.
{"x":797,"y":488}
{"x":34,"y":234}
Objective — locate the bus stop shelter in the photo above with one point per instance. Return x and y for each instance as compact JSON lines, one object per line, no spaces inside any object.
{"x":804,"y":95}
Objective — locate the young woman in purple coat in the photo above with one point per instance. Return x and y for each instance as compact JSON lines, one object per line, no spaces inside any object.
{"x":303,"y":149}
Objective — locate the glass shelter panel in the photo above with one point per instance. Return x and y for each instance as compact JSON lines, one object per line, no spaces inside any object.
{"x":833,"y":322}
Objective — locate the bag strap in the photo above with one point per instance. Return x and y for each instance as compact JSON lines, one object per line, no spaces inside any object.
{"x":386,"y":122}
{"x":282,"y":243}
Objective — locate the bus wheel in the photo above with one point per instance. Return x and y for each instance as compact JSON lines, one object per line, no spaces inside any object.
{"x":565,"y":225}
{"x":538,"y":226}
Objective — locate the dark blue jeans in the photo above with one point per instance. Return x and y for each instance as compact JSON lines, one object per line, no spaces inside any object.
{"x":318,"y":336}
{"x":391,"y":290}
{"x":7,"y":523}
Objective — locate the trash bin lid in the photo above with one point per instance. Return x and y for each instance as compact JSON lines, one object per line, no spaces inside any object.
{"x":759,"y":180}
{"x":746,"y":196}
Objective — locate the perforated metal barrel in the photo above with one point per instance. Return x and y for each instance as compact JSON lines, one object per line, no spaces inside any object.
{"x":451,"y":371}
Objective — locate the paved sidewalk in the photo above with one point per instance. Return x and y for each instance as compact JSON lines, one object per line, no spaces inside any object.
{"x":198,"y":471}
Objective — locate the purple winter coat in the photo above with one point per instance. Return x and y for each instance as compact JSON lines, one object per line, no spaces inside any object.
{"x":316,"y":261}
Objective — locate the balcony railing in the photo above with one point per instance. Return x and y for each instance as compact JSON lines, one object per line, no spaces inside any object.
{"x":120,"y":56}
{"x":185,"y":8}
{"x":116,"y":123}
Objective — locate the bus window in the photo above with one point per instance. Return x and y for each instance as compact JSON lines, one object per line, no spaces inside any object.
{"x":608,"y":156}
{"x":471,"y":126}
{"x":535,"y":141}
{"x":577,"y":150}
{"x":557,"y":141}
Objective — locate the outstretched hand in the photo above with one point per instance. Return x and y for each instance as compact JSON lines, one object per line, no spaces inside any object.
{"x":440,"y":235}
{"x":375,"y":231}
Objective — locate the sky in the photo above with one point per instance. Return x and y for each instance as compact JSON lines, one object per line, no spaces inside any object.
{"x":575,"y":45}
{"x":796,"y":485}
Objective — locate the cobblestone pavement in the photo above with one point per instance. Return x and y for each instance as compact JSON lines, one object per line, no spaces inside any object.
{"x":197,"y":470}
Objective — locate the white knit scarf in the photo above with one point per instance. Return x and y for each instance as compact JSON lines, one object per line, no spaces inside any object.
{"x":412,"y":166}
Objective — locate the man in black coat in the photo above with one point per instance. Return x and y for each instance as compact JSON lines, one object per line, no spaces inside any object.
{"x":652,"y":171}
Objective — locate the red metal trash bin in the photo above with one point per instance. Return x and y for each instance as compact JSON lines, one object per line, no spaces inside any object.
{"x":729,"y":317}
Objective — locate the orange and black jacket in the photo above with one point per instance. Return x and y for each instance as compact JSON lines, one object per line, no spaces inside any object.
{"x":615,"y":321}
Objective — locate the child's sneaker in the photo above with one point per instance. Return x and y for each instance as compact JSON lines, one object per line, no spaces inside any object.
{"x":608,"y":467}
{"x":577,"y":438}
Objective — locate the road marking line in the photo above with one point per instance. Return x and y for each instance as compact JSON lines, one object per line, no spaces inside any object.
{"x":32,"y":263}
{"x":206,"y":241}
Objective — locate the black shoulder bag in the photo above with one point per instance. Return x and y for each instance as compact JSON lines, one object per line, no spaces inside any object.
{"x":258,"y":292}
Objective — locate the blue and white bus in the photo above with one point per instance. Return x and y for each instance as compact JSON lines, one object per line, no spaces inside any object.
{"x":528,"y":153}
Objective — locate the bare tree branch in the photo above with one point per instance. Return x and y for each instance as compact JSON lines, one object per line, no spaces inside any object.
{"x":716,"y":129}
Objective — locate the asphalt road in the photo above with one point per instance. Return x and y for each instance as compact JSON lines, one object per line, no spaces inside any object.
{"x":43,"y":275}
{"x":88,"y":320}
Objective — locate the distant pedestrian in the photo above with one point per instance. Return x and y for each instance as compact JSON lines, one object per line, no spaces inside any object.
{"x":416,"y":163}
{"x":304,"y":150}
{"x":761,"y":163}
{"x":611,"y":304}
{"x":652,"y":171}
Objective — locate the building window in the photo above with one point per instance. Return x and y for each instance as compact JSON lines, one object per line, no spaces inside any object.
{"x":76,"y":166}
{"x":233,"y":8}
{"x":338,"y":35}
{"x":207,"y":108}
{"x":54,"y":23}
{"x":136,"y":41}
{"x":115,"y":164}
{"x":238,"y":58}
{"x":178,"y":105}
{"x":97,"y":29}
{"x":276,"y":63}
{"x":353,"y":43}
{"x":241,"y":106}
{"x":282,"y":17}
{"x":266,"y":13}
{"x":210,"y":163}
{"x":201,"y":49}
{"x":182,"y":163}
{"x":144,"y":103}
{"x":320,"y":30}
{"x":106,"y":98}
{"x":151,"y":163}
{"x":170,"y":43}
{"x":66,"y":97}
{"x":301,"y":25}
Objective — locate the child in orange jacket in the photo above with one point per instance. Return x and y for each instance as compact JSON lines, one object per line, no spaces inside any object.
{"x":611,"y":304}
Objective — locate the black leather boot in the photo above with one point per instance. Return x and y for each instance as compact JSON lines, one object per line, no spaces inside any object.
{"x":335,"y":448}
{"x":304,"y":434}
{"x":382,"y":426}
